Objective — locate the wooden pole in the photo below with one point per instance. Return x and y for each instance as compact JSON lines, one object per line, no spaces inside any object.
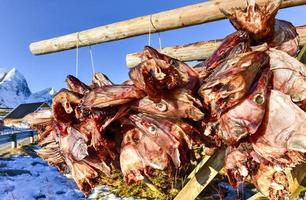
{"x":198,"y":167}
{"x":196,"y":51}
{"x":32,"y":137}
{"x":14,"y":141}
{"x":167,"y":20}
{"x":188,"y":52}
{"x":203,"y":177}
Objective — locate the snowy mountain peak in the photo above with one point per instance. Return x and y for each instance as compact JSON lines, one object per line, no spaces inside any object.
{"x":14,"y":90}
{"x":11,"y":74}
{"x":3,"y":73}
{"x":52,"y":91}
{"x":42,"y":96}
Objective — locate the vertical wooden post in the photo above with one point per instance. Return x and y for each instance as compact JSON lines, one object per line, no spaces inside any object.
{"x":32,"y":139}
{"x":14,"y":141}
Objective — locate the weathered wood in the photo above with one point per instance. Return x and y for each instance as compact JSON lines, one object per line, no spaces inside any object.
{"x":32,"y":138}
{"x":196,"y":51}
{"x":198,"y":167}
{"x":24,"y":134}
{"x":203,"y":177}
{"x":188,"y":52}
{"x":258,"y":196}
{"x":14,"y":141}
{"x":167,"y":20}
{"x":5,"y":139}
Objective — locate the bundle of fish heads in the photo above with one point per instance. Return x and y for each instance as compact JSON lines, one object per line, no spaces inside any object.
{"x":248,"y":96}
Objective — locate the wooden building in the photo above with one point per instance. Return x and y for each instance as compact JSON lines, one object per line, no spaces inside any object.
{"x":14,"y":118}
{"x":4,"y":111}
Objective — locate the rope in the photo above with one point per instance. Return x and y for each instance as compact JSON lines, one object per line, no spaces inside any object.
{"x":92,"y":61}
{"x":77,"y":57}
{"x":159,"y":38}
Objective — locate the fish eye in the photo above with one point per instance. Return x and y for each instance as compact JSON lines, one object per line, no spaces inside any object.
{"x":259,"y":99}
{"x":161,"y":106}
{"x":173,"y":62}
{"x":152,"y":129}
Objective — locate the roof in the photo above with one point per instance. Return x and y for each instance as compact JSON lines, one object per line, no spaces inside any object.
{"x":23,"y":109}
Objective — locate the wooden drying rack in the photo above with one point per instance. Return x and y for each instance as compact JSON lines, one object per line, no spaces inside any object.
{"x":191,"y":15}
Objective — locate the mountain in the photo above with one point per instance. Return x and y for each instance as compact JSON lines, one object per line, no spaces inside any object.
{"x":42,"y":96}
{"x":14,"y":90}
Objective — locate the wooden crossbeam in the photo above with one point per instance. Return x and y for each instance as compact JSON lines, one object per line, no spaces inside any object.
{"x":167,"y":20}
{"x":196,"y":51}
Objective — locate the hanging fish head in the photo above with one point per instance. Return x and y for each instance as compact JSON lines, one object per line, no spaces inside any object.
{"x":231,"y":81}
{"x":155,"y":76}
{"x":179,"y":104}
{"x":111,"y":95}
{"x":245,"y":118}
{"x":75,"y":85}
{"x":64,"y":104}
{"x":234,"y":44}
{"x":99,"y":79}
{"x":160,"y":134}
{"x":187,"y":73}
{"x":240,"y":162}
{"x":159,"y":73}
{"x":272,"y":181}
{"x":255,"y":19}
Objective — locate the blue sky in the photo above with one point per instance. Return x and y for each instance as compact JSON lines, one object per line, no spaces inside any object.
{"x":26,"y":21}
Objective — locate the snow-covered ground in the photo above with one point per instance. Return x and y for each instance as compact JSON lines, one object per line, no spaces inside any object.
{"x":28,"y":178}
{"x":24,"y":177}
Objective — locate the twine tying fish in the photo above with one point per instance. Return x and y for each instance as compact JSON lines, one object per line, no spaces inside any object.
{"x":92,"y":60}
{"x":77,"y":57}
{"x":149,"y":37}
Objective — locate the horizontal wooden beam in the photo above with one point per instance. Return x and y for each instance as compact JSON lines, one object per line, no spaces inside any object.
{"x":187,"y":52}
{"x":196,"y":51}
{"x":167,"y":20}
{"x":16,"y":135}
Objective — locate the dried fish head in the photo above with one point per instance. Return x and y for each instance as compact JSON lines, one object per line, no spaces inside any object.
{"x":178,"y":104}
{"x":255,"y":19}
{"x":244,"y":119}
{"x":231,"y":81}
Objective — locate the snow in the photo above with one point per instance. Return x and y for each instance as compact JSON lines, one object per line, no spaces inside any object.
{"x":31,"y":178}
{"x":41,"y":96}
{"x":14,"y":90}
{"x":35,"y":179}
{"x":3,"y":72}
